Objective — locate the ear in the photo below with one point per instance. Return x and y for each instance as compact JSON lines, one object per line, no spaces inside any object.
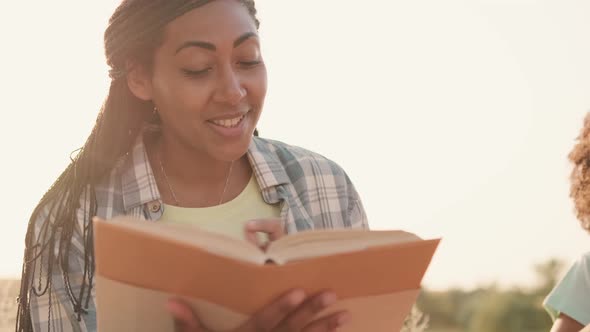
{"x":139,"y":81}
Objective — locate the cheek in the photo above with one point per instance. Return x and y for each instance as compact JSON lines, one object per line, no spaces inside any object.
{"x":192,"y":95}
{"x":257,"y":88}
{"x":165,"y":88}
{"x":180,"y":94}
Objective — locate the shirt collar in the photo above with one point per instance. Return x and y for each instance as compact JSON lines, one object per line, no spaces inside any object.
{"x":138,"y":183}
{"x":267,"y":167}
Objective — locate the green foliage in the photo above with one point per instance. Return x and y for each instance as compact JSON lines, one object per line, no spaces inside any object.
{"x":509,"y":311}
{"x":490,"y":309}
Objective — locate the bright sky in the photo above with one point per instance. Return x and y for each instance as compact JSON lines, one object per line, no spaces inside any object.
{"x":453,"y":118}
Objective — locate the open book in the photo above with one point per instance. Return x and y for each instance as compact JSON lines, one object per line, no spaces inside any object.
{"x":140,"y":264}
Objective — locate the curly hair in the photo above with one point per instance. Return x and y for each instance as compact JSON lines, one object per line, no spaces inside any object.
{"x":580,"y":176}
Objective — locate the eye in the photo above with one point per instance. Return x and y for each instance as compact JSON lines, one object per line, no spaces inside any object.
{"x":249,"y":64}
{"x":196,"y":73}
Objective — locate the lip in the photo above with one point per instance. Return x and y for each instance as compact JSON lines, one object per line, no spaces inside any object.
{"x":234,"y":132}
{"x":229,"y":116}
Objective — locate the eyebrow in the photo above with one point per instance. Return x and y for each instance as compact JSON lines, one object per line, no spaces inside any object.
{"x":212,"y":47}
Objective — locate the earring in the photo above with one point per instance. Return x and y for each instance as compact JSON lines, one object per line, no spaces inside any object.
{"x":155,"y":118}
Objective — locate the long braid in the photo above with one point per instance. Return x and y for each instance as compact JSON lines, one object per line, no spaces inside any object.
{"x":134,"y":32}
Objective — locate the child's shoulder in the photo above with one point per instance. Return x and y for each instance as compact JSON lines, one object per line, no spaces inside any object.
{"x":584,"y":260}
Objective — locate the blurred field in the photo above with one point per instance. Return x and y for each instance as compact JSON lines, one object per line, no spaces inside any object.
{"x":482,"y":310}
{"x":8,"y":294}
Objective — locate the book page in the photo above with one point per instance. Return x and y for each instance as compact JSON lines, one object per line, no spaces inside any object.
{"x":146,"y":260}
{"x":214,"y":243}
{"x":319,"y":243}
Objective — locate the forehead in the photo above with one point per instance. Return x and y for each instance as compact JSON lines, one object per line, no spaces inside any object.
{"x":218,"y":22}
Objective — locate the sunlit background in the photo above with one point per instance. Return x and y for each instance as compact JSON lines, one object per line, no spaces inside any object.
{"x":453,"y":118}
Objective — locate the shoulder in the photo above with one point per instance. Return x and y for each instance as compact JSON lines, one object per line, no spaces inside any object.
{"x":315,"y":183}
{"x":584,"y":260}
{"x":298,"y":161}
{"x":579,"y":272}
{"x":571,"y":295}
{"x":127,"y":185}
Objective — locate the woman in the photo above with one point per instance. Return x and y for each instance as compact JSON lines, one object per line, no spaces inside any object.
{"x":569,"y":302}
{"x":175,"y":141}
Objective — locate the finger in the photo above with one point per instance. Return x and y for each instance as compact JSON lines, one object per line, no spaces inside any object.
{"x":273,"y":227}
{"x":252,"y":237}
{"x":185,"y":319}
{"x":269,"y":318}
{"x":329,"y":323}
{"x":306,"y":312}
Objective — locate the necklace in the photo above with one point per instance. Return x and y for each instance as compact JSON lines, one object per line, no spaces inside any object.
{"x":172,"y":190}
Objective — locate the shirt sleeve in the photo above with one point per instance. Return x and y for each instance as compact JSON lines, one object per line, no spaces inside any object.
{"x":356,"y":211}
{"x":53,"y":310}
{"x":571,"y":296}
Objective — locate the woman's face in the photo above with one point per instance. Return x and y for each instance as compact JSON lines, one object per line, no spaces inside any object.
{"x":208,"y":80}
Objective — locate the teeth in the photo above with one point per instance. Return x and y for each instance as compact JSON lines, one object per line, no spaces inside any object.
{"x":228,"y":123}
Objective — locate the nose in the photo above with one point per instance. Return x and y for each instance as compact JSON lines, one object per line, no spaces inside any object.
{"x":230,"y":89}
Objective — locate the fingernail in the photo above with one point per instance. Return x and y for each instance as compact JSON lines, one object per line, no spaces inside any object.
{"x":297,"y":297}
{"x":328,"y":299}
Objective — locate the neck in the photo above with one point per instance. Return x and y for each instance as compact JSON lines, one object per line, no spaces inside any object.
{"x":194,"y":177}
{"x":189,"y":166}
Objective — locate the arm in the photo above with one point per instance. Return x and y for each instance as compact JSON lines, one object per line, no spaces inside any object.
{"x":356,"y":211}
{"x":565,"y":323}
{"x":51,"y":306}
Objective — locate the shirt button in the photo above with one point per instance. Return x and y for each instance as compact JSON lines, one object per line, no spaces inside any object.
{"x":154,"y":206}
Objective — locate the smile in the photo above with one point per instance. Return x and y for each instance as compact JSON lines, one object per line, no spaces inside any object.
{"x":229,"y":123}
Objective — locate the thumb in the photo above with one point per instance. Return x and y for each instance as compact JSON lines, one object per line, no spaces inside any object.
{"x":185,"y":319}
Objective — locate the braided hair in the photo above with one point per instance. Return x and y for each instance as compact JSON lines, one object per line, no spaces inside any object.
{"x":134,"y":32}
{"x":580,"y":176}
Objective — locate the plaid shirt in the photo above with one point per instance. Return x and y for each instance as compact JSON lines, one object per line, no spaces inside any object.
{"x":313,"y":191}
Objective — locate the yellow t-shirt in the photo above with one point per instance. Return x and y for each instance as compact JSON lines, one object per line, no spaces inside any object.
{"x":228,"y":218}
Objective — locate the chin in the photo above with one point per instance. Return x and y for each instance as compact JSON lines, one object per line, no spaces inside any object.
{"x":233,"y":151}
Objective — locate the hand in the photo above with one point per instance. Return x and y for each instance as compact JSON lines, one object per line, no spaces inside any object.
{"x":292,"y":312}
{"x":274,"y":228}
